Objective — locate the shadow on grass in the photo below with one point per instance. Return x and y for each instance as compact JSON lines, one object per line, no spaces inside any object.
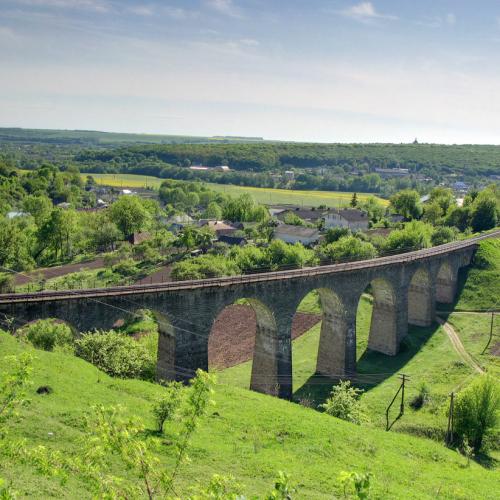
{"x":463,"y":274}
{"x":373,"y":368}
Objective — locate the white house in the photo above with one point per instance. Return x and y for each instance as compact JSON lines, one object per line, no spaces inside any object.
{"x":354,"y":219}
{"x":294,"y":234}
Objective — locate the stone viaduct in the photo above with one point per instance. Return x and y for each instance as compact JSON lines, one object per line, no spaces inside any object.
{"x":405,"y":289}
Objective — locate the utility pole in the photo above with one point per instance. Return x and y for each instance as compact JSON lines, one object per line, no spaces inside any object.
{"x":404,"y":378}
{"x":491,"y":332}
{"x":449,"y":432}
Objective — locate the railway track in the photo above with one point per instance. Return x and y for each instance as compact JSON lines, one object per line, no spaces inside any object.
{"x":246,"y":278}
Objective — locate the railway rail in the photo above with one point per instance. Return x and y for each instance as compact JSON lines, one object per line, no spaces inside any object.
{"x":246,"y":278}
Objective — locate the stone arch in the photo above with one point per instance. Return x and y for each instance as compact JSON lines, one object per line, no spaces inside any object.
{"x":264,"y":346}
{"x":421,"y":303}
{"x":446,"y":283}
{"x":383,"y":336}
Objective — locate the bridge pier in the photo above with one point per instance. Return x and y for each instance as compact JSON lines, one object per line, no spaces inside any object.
{"x":389,"y":323}
{"x":338,"y":328}
{"x":421,"y":299}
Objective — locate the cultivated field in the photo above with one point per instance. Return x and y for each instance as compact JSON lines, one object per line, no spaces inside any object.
{"x":260,"y":195}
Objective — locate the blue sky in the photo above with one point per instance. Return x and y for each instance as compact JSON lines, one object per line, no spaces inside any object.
{"x":315,"y":70}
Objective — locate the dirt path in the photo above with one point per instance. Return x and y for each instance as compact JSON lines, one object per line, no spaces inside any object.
{"x":458,"y":346}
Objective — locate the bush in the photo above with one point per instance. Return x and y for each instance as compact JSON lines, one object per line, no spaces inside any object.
{"x":116,"y":354}
{"x":443,"y":235}
{"x":335,"y":233}
{"x":6,"y":283}
{"x":47,"y":334}
{"x":476,"y":412}
{"x":421,"y":398}
{"x":126,"y":267}
{"x":348,"y":248}
{"x":344,"y":403}
{"x":167,"y":405}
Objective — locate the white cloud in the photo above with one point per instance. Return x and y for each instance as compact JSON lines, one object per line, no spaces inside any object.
{"x":142,"y":10}
{"x":451,"y":19}
{"x":225,"y":7}
{"x":365,"y":12}
{"x":95,"y":5}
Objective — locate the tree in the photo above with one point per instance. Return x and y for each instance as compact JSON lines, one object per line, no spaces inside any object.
{"x":484,"y":211}
{"x":213,"y":211}
{"x":348,"y":248}
{"x":293,"y":219}
{"x":39,"y":206}
{"x":335,"y":233}
{"x":354,"y":200}
{"x":17,"y":242}
{"x":373,"y":208}
{"x":129,"y":214}
{"x":344,"y":403}
{"x":60,"y":232}
{"x":407,"y":203}
{"x":165,"y":407}
{"x":414,"y":236}
{"x":476,"y":411}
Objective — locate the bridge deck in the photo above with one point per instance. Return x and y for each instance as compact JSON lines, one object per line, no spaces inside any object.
{"x":247,"y":278}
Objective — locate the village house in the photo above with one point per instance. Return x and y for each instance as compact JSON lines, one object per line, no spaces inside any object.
{"x":310,"y":215}
{"x":296,"y":234}
{"x":219,"y":227}
{"x":354,"y":219}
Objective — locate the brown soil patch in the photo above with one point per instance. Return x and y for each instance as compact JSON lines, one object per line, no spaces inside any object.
{"x":160,"y":276}
{"x":232,"y":337}
{"x":55,"y":272}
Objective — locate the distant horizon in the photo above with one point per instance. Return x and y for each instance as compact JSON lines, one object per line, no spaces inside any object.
{"x":343,"y":71}
{"x":240,"y":136}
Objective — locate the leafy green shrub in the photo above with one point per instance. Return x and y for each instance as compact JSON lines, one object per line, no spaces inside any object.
{"x":476,"y":412}
{"x":47,"y":334}
{"x":166,"y":406}
{"x":443,"y":235}
{"x":348,"y":248}
{"x":116,"y":354}
{"x":344,"y":403}
{"x":6,"y":283}
{"x":335,"y":233}
{"x":354,"y":480}
{"x":126,"y":267}
{"x":421,"y":398}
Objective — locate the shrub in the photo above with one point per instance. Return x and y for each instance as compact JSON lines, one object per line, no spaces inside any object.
{"x":344,"y":403}
{"x":126,"y":267}
{"x":167,"y":405}
{"x":421,"y":398}
{"x":349,"y":248}
{"x":6,"y":283}
{"x":46,"y":334}
{"x":443,"y":235}
{"x":116,"y":354}
{"x":476,"y":412}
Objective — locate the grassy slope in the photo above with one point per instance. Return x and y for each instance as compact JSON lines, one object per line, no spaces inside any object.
{"x":479,"y":286}
{"x":261,"y":195}
{"x":251,"y":436}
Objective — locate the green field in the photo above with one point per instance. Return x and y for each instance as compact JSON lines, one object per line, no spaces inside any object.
{"x":260,"y":195}
{"x":247,"y":435}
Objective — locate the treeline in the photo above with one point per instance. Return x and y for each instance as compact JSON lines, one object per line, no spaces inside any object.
{"x":262,"y":156}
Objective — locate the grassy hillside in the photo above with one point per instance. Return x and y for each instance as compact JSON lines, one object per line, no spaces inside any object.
{"x":248,"y":435}
{"x":479,"y":284}
{"x":260,"y":195}
{"x":427,"y":356}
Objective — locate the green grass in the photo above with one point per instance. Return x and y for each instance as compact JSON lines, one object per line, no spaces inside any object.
{"x":426,"y":355}
{"x":248,"y":435}
{"x":260,"y":195}
{"x":479,"y":285}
